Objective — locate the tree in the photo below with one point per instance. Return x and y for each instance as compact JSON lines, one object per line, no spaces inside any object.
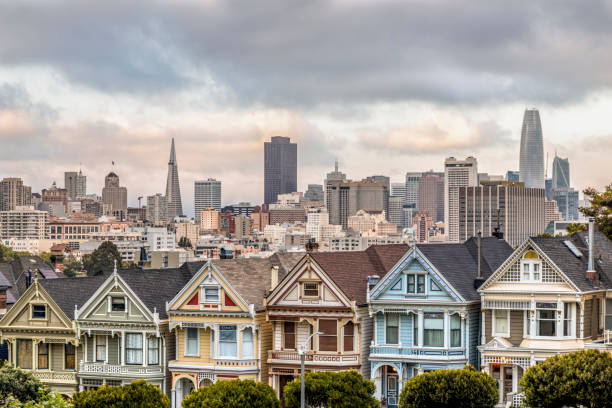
{"x":329,"y":389}
{"x":52,"y":400}
{"x":72,"y":266}
{"x":103,"y":258}
{"x":6,"y":253}
{"x":45,"y":256}
{"x":233,"y":393}
{"x":139,"y":394}
{"x":574,"y":228}
{"x":600,"y":209}
{"x":459,"y":388}
{"x":185,"y":242}
{"x":19,"y":384}
{"x":580,"y":378}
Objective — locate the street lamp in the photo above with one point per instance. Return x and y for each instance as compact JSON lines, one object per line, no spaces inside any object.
{"x":302,"y":353}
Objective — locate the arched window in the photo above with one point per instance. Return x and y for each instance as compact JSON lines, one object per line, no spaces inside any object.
{"x":531,"y":267}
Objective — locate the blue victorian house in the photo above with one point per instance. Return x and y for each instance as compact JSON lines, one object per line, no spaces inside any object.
{"x":426,"y":311}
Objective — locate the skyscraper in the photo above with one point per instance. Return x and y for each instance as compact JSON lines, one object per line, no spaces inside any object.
{"x":412,"y":189}
{"x":157,"y":208}
{"x":207,"y":194}
{"x":114,"y":195}
{"x":315,"y":193}
{"x":76,"y":184}
{"x":173,"y":190}
{"x":13,"y":193}
{"x":457,"y":173}
{"x":431,"y":196}
{"x":280,"y":168}
{"x":531,"y":166}
{"x":561,"y":173}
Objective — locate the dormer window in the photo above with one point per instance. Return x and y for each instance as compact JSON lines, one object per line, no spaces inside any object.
{"x":39,"y":312}
{"x":416,"y":283}
{"x":531,"y":268}
{"x":211,"y":295}
{"x":117,"y":304}
{"x":311,"y":289}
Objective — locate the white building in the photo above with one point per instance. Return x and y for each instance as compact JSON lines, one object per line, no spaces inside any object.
{"x":23,"y":245}
{"x":23,"y":222}
{"x":317,"y":218}
{"x":155,"y":238}
{"x":207,"y":195}
{"x":157,"y":208}
{"x":361,"y":243}
{"x":457,"y":173}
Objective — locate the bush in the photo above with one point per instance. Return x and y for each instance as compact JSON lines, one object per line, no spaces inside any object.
{"x":344,"y":389}
{"x":580,"y":378}
{"x":22,"y":385}
{"x":233,"y":393}
{"x":463,"y":388}
{"x":50,"y":401}
{"x":138,"y":394}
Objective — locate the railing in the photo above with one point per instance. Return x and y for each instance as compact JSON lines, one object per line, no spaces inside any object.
{"x":515,"y":399}
{"x":607,"y":336}
{"x":55,"y":377}
{"x":424,"y":352}
{"x":236,"y":363}
{"x":111,"y":369}
{"x":310,"y":357}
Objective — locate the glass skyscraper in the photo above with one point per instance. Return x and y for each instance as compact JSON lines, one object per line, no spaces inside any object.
{"x":531,"y":170}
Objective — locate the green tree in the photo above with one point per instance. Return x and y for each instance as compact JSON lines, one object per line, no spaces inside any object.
{"x":233,"y":393}
{"x":574,"y":228}
{"x":103,"y":258}
{"x":72,"y":266}
{"x":329,"y":389}
{"x":6,"y":253}
{"x":600,"y":209}
{"x":185,"y":242}
{"x":138,"y":394}
{"x":45,"y":256}
{"x":580,"y":378}
{"x":460,"y":388}
{"x":52,"y":400}
{"x":19,"y":385}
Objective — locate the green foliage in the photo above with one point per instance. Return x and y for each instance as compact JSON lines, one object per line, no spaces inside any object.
{"x":574,"y":228}
{"x":233,"y":393}
{"x":600,"y":209}
{"x":545,"y":234}
{"x":138,"y":394}
{"x":45,"y":256}
{"x":52,"y":400}
{"x":102,"y":258}
{"x":6,"y":253}
{"x":129,"y":265}
{"x":344,"y":389}
{"x":19,"y":384}
{"x":72,"y":266}
{"x":580,"y":378}
{"x":185,"y":242}
{"x":463,"y":388}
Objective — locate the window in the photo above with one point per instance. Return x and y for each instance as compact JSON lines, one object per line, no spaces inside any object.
{"x":434,"y":286}
{"x":501,"y":323}
{"x":433,"y":330}
{"x":415,"y":329}
{"x":192,"y":340}
{"x":247,"y":343}
{"x":289,"y":335}
{"x":133,"y":348}
{"x":24,"y":353}
{"x":212,"y":344}
{"x":567,"y":319}
{"x":397,"y":285}
{"x":311,"y":289}
{"x":328,"y":340}
{"x":227,"y":341}
{"x":546,"y":323}
{"x":416,"y":284}
{"x":153,"y":350}
{"x":420,"y":283}
{"x":211,"y":295}
{"x":39,"y":312}
{"x":531,"y":268}
{"x":410,"y":283}
{"x":349,"y":335}
{"x":100,"y":348}
{"x":608,"y":323}
{"x":43,"y":356}
{"x":392,"y":329}
{"x":117,"y":304}
{"x":455,"y":330}
{"x":69,"y":356}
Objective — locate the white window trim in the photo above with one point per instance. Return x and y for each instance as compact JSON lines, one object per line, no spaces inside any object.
{"x":205,"y":300}
{"x":461,"y":331}
{"x":399,"y":332}
{"x":143,"y":349}
{"x":110,"y":303}
{"x":252,"y":356}
{"x":445,"y":329}
{"x":149,"y":349}
{"x":416,"y":274}
{"x":530,"y":262}
{"x":558,"y":328}
{"x":493,"y":332}
{"x":95,"y":350}
{"x":236,"y":357}
{"x":198,"y":339}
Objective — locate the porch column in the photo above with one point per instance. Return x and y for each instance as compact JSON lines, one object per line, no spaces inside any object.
{"x":446,"y":330}
{"x":122,"y":350}
{"x":483,"y":332}
{"x":173,"y":397}
{"x":500,"y":384}
{"x":514,"y":378}
{"x":582,"y":320}
{"x":559,"y":316}
{"x":421,"y":331}
{"x":34,"y":354}
{"x":85,"y":351}
{"x":145,"y":349}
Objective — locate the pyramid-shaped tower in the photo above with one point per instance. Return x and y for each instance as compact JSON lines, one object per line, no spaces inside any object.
{"x":173,"y":190}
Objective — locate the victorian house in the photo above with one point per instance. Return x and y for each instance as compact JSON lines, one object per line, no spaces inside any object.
{"x":321,"y":307}
{"x":426,"y":311}
{"x":216,"y":320}
{"x":550,"y":296}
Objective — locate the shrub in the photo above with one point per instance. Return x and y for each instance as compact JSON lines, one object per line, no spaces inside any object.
{"x":52,"y":400}
{"x":22,"y":385}
{"x":138,"y":394}
{"x":463,"y":388}
{"x":344,"y":389}
{"x":580,"y":378}
{"x":233,"y":393}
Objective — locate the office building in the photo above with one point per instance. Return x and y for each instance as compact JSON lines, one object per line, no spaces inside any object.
{"x":23,"y":222}
{"x":344,"y":198}
{"x":210,"y":219}
{"x":517,"y":211}
{"x":280,"y":168}
{"x":548,"y":186}
{"x":173,"y":189}
{"x":55,"y":195}
{"x":396,"y":211}
{"x":260,"y":217}
{"x":317,"y":219}
{"x":13,"y":194}
{"x":187,"y":230}
{"x":512,"y":175}
{"x":115,"y":196}
{"x":155,"y":238}
{"x":157,"y":208}
{"x":242,"y":226}
{"x":457,"y":173}
{"x":398,"y":190}
{"x":207,"y":194}
{"x":423,"y":222}
{"x":531,"y":166}
{"x":412,"y":189}
{"x":551,"y":212}
{"x":567,"y":202}
{"x":431,"y":196}
{"x":315,"y":193}
{"x":561,"y":173}
{"x":243,"y":208}
{"x":76,"y":184}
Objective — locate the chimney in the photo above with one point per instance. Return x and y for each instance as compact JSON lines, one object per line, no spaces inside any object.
{"x":273,"y":277}
{"x":479,"y":279}
{"x":590,"y":273}
{"x":3,"y":300}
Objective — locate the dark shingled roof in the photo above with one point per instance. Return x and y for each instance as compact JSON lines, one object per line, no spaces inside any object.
{"x":68,"y":292}
{"x":13,"y":274}
{"x":458,"y":263}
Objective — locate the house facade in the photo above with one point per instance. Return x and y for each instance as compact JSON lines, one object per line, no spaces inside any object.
{"x":426,"y":311}
{"x":551,"y":296}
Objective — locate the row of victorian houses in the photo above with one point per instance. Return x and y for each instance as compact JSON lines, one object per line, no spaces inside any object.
{"x":390,"y":312}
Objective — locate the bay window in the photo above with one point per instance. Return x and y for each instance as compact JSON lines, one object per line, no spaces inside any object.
{"x":546,"y":322}
{"x":227,"y":341}
{"x":24,"y":354}
{"x":433,"y":330}
{"x":392,"y":329}
{"x":415,"y":329}
{"x":43,"y":356}
{"x":133,"y":348}
{"x":567,"y":319}
{"x":328,"y":341}
{"x":247,"y":343}
{"x":153,"y":351}
{"x":501,"y":323}
{"x":349,"y":335}
{"x":192,"y":341}
{"x":289,"y":336}
{"x":455,"y":330}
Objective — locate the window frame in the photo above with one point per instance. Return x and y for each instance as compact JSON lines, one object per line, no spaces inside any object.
{"x":97,"y":345}
{"x":156,"y":341}
{"x":335,"y":335}
{"x":234,"y":342}
{"x":32,"y":317}
{"x":112,"y":304}
{"x":416,"y":284}
{"x":415,"y":330}
{"x":425,"y":319}
{"x":66,"y":356}
{"x":205,"y":297}
{"x":494,"y":332}
{"x":348,"y":337}
{"x":31,"y":353}
{"x":252,"y":354}
{"x":553,"y":320}
{"x":528,"y":267}
{"x":284,"y":333}
{"x":318,"y":295}
{"x":396,"y":328}
{"x":141,"y":349}
{"x":38,"y":355}
{"x":197,"y":342}
{"x":455,"y":316}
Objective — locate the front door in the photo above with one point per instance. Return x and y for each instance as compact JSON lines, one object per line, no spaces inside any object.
{"x":392,"y":390}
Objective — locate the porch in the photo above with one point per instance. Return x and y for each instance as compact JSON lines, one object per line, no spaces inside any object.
{"x":344,"y":360}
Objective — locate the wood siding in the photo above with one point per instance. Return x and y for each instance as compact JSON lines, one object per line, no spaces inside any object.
{"x":488,"y":325}
{"x":266,"y":332}
{"x":588,"y":310}
{"x":516,"y":327}
{"x":474,"y":336}
{"x":366,"y":327}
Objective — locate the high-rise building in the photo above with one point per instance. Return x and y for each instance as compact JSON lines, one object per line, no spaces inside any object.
{"x":315,"y":193}
{"x":512,"y":175}
{"x":75,"y":184}
{"x":210,"y":219}
{"x":173,"y":189}
{"x":207,"y":194}
{"x":551,"y":212}
{"x":423,"y":223}
{"x":412,"y":189}
{"x":14,"y":193}
{"x":23,"y":222}
{"x":280,"y":168}
{"x":431,"y":197}
{"x":457,"y":173}
{"x":399,"y":190}
{"x":317,"y":219}
{"x":561,"y":173}
{"x":567,"y":202}
{"x":517,"y":211}
{"x":548,"y":186}
{"x":55,"y":195}
{"x":242,"y":226}
{"x":260,"y":217}
{"x":396,"y":210}
{"x":114,"y":195}
{"x":531,"y":166}
{"x":157,"y":208}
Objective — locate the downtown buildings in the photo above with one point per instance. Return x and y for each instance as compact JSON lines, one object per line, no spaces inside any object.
{"x":75,"y":184}
{"x":207,"y":194}
{"x":531,"y":166}
{"x":14,"y":193}
{"x":280,"y":168}
{"x":173,"y":189}
{"x":457,"y":173}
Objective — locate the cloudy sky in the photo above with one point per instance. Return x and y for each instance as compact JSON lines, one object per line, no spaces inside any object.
{"x":385,"y":86}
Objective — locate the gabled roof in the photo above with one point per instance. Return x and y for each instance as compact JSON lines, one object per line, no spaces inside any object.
{"x":350,"y":269}
{"x":68,"y":292}
{"x":14,"y":272}
{"x":458,"y":262}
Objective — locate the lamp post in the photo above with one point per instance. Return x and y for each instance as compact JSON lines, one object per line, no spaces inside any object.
{"x":302,"y":353}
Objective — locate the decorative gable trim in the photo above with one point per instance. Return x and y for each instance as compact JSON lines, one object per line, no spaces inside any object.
{"x":413,"y":254}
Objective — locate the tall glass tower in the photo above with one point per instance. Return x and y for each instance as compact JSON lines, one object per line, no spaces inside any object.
{"x":561,"y":173}
{"x":173,"y":190}
{"x":531,"y":164}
